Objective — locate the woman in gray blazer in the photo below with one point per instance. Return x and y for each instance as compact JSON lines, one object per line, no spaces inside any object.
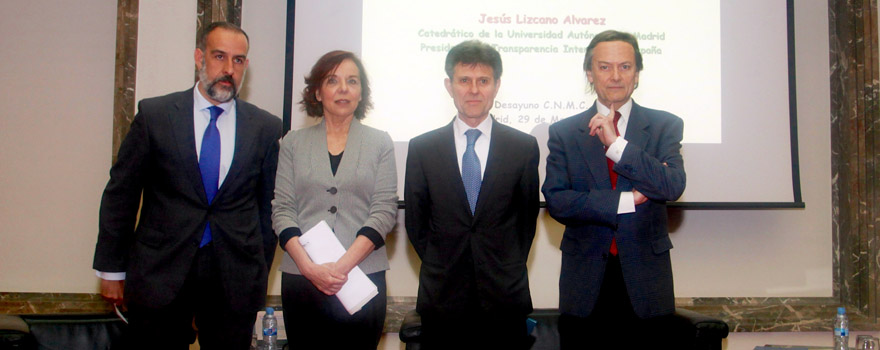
{"x":342,"y":172}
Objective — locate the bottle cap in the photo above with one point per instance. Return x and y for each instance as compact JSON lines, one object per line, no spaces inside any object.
{"x":270,"y":311}
{"x":841,"y":310}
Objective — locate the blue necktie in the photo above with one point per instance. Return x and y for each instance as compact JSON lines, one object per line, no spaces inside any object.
{"x":209,"y":164}
{"x":470,"y":169}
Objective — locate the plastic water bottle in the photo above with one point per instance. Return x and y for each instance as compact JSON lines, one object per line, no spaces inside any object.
{"x":841,"y":330}
{"x":270,"y":330}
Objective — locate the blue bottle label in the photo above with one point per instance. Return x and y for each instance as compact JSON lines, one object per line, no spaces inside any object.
{"x":842,"y":332}
{"x":270,"y":331}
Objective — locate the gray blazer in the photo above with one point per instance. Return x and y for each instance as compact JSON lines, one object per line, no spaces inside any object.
{"x":365,"y":187}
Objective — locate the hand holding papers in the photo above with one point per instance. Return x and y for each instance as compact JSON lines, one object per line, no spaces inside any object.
{"x":323,"y":247}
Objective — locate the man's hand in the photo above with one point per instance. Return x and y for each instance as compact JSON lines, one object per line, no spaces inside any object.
{"x":325,"y":277}
{"x":112,"y":291}
{"x":638,"y":197}
{"x":603,"y":127}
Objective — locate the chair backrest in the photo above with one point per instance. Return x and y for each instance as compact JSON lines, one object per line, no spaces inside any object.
{"x":75,"y":332}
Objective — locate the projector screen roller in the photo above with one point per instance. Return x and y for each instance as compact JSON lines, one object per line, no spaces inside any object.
{"x":721,"y":66}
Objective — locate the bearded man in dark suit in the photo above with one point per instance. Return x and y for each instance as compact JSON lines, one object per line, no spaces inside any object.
{"x":185,"y":229}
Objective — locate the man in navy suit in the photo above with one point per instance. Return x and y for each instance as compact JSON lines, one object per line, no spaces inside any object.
{"x":185,"y":232}
{"x":471,"y":196}
{"x":610,"y":192}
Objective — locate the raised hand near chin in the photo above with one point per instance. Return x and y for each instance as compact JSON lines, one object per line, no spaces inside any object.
{"x":603,"y":127}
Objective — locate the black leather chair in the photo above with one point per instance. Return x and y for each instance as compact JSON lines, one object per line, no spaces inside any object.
{"x":707,"y":332}
{"x":60,"y":331}
{"x":15,"y":334}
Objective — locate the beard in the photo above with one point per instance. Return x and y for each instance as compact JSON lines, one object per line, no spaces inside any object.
{"x":217,"y":92}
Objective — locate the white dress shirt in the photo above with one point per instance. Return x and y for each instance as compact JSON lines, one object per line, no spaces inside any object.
{"x":481,"y":147}
{"x":201,"y":119}
{"x":627,"y":202}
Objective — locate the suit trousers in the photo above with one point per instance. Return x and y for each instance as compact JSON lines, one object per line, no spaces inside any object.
{"x":314,"y":320}
{"x":200,"y":303}
{"x":613,"y":324}
{"x":473,"y":328}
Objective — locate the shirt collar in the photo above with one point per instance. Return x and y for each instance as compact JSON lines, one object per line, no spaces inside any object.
{"x":485,"y":126}
{"x":201,"y":103}
{"x":624,"y":110}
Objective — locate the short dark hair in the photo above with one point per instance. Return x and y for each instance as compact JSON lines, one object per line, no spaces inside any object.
{"x":326,"y":65}
{"x":612,"y":35}
{"x":201,"y":43}
{"x":473,"y":52}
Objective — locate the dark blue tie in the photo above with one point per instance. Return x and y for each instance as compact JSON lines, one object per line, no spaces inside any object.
{"x":209,"y":164}
{"x":470,"y":169}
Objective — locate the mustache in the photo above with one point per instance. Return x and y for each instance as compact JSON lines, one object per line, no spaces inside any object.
{"x":225,"y":78}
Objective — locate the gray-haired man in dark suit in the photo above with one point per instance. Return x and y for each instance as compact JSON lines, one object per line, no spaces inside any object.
{"x":610,"y":171}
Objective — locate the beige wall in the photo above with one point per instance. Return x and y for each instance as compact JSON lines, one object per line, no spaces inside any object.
{"x":55,"y":135}
{"x":55,"y":153}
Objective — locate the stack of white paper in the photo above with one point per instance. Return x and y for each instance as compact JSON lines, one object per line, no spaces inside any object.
{"x":323,"y":247}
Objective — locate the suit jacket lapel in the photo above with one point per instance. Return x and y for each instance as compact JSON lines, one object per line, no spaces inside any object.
{"x":593,"y":151}
{"x":181,"y":120}
{"x":348,"y":165}
{"x":245,"y":137}
{"x":496,"y":159}
{"x":636,"y":134}
{"x":637,"y":127}
{"x":448,"y":159}
{"x":318,"y":151}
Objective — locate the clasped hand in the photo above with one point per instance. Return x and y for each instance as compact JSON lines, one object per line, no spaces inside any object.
{"x":328,"y":277}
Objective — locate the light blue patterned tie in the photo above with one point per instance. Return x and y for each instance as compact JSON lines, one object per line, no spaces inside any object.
{"x":209,"y":164}
{"x":470,"y":169}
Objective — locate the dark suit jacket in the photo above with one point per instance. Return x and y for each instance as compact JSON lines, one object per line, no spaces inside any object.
{"x":158,"y":159}
{"x":478,"y":260}
{"x":578,"y":192}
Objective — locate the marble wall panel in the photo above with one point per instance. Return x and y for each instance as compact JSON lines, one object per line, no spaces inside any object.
{"x":854,"y":117}
{"x":126,"y":69}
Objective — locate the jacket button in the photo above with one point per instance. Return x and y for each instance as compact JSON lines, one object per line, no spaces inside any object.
{"x":332,"y":210}
{"x":332,"y":190}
